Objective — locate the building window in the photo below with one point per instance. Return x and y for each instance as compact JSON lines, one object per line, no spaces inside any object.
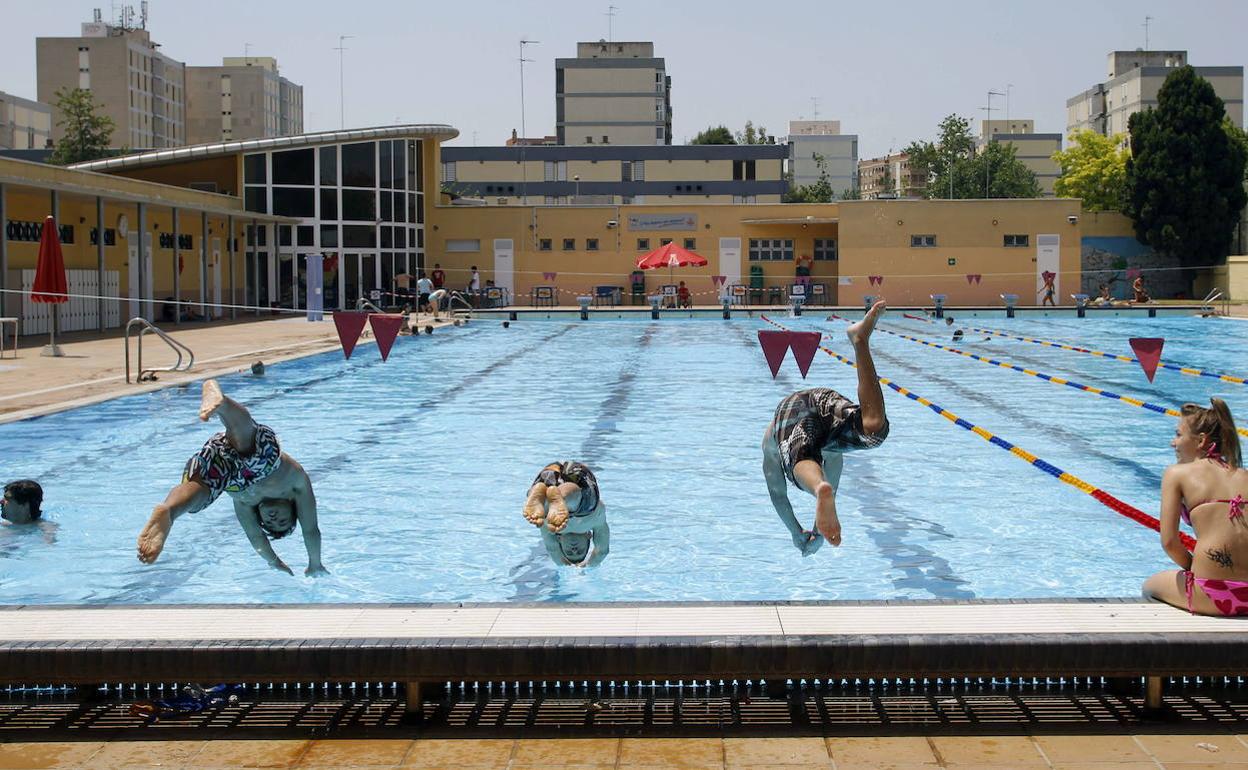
{"x":589,"y":140}
{"x":544,"y":244}
{"x":643,"y":244}
{"x":922,"y":241}
{"x":691,"y":243}
{"x":304,"y":235}
{"x":359,"y":205}
{"x":743,"y":170}
{"x":606,"y":139}
{"x":254,"y":169}
{"x":1017,"y":240}
{"x":591,"y":244}
{"x":294,"y":167}
{"x":556,"y":171}
{"x":825,"y":249}
{"x":294,"y":201}
{"x":569,"y":244}
{"x":359,"y":165}
{"x":448,"y":171}
{"x":329,"y":203}
{"x":771,"y":249}
{"x":329,"y":166}
{"x":633,"y":171}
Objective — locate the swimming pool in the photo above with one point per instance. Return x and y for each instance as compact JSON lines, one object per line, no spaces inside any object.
{"x":421,"y":465}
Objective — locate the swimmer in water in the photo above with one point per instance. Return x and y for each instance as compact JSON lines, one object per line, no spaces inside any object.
{"x":564,"y":503}
{"x":271,"y":491}
{"x":812,"y":430}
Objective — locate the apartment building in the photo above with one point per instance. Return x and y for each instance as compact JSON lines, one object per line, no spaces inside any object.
{"x":613,"y":93}
{"x":244,"y":98}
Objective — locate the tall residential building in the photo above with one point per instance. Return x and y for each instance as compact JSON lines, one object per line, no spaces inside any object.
{"x":613,"y":93}
{"x":244,"y":98}
{"x":815,"y":142}
{"x":890,"y":176}
{"x":1034,"y":150}
{"x":1134,"y":78}
{"x":24,"y":124}
{"x":141,"y":89}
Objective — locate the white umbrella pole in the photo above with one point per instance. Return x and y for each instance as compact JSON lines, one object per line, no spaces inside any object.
{"x":51,"y":349}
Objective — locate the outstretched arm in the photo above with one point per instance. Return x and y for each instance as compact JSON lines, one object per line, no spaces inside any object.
{"x":249,"y":518}
{"x":551,"y":541}
{"x":778,"y":488}
{"x":602,"y":540}
{"x":305,"y":511}
{"x":1171,"y":502}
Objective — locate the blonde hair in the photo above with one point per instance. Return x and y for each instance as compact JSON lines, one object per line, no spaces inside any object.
{"x":1215,"y":422}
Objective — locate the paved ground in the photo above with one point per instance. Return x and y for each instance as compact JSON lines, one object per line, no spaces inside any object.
{"x":1119,"y":751}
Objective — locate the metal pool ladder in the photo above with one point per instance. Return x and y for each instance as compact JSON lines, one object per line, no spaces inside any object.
{"x":1215,"y":294}
{"x":183,"y":364}
{"x":457,"y":297}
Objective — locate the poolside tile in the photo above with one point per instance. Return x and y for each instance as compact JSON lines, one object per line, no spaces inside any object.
{"x":457,"y":752}
{"x":753,"y":752}
{"x":564,"y":752}
{"x":36,"y":756}
{"x":1139,"y":765}
{"x":1090,"y":748}
{"x":565,"y":622}
{"x":223,"y":754}
{"x":356,"y":753}
{"x":144,"y":754}
{"x":1001,"y":750}
{"x":1206,"y":766}
{"x":1210,"y":749}
{"x":706,"y":621}
{"x":896,"y":751}
{"x":675,"y":753}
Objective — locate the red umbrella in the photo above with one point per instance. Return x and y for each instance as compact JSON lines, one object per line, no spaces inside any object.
{"x":51,"y":284}
{"x":670,"y":255}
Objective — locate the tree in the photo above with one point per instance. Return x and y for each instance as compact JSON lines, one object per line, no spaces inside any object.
{"x":819,"y":192}
{"x":1094,"y":169}
{"x":955,"y":170}
{"x":1185,"y":176}
{"x":753,"y":135}
{"x":86,"y":135}
{"x":714,"y":135}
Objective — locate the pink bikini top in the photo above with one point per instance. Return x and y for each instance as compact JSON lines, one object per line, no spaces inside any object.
{"x":1237,"y":503}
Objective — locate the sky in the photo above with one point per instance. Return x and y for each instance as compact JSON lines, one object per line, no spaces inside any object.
{"x":888,"y":71}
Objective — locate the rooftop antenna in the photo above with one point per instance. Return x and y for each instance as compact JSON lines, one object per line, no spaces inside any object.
{"x":987,"y":139}
{"x":814,"y":107}
{"x":610,"y":14}
{"x":524,"y":176}
{"x":342,"y":110}
{"x":247,"y":54}
{"x":97,"y":15}
{"x":143,"y":15}
{"x":1008,"y":87}
{"x":1147,"y":21}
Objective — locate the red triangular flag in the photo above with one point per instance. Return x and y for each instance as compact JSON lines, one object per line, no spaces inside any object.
{"x":804,"y":345}
{"x":970,"y":278}
{"x":385,"y":328}
{"x":1148,"y":353}
{"x":774,"y":346}
{"x":349,"y":324}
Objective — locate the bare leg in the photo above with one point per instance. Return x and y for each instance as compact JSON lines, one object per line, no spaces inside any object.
{"x":870,"y":396}
{"x":534,"y":506}
{"x":240,"y":429}
{"x":187,"y":496}
{"x":560,"y":498}
{"x":809,"y":475}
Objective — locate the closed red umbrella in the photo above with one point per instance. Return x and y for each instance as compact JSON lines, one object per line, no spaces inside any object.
{"x":670,"y":255}
{"x":51,"y":284}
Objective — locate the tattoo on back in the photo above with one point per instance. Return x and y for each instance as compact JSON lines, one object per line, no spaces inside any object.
{"x":1220,"y":557}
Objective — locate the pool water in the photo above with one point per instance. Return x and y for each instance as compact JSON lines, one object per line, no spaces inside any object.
{"x":421,"y":465}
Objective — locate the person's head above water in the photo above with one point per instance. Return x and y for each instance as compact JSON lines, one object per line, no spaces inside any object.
{"x":948,"y":320}
{"x":257,"y":368}
{"x":506,"y":324}
{"x":22,"y":501}
{"x":1207,"y":432}
{"x":574,"y":546}
{"x":277,"y":517}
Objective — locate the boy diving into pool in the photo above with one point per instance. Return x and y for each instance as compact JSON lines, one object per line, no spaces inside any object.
{"x":271,"y":491}
{"x":565,"y":503}
{"x":812,"y":430}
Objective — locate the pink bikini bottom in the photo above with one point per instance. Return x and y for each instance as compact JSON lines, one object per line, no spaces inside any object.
{"x":1229,"y":596}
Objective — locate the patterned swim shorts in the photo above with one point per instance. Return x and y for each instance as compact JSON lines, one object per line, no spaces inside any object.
{"x":576,"y":473}
{"x":811,"y":421}
{"x":221,"y":468}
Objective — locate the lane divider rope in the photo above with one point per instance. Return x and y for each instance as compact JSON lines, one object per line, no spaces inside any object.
{"x":1100,"y":495}
{"x":1191,"y":371}
{"x":1156,"y":408}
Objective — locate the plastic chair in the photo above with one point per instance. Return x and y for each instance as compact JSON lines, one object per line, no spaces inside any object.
{"x":605,"y":294}
{"x":737,"y":294}
{"x":818,"y":294}
{"x":637,"y":291}
{"x":543,"y":296}
{"x":668,"y":290}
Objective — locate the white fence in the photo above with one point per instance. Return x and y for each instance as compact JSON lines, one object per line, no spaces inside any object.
{"x":78,"y":313}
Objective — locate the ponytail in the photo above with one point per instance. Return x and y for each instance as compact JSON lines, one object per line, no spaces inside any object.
{"x":1216,"y":423}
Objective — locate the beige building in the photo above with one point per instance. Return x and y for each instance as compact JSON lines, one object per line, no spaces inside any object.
{"x":1034,"y":150}
{"x":890,"y":176}
{"x":619,"y":174}
{"x":613,"y":93}
{"x":244,"y":98}
{"x":141,"y":89}
{"x":24,"y":124}
{"x":817,"y":147}
{"x":1133,"y":80}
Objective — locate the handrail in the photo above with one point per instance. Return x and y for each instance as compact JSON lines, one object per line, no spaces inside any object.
{"x":146,"y":326}
{"x":457,"y":296}
{"x":362,"y":303}
{"x":1206,"y":305}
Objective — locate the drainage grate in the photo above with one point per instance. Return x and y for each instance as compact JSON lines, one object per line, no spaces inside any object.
{"x":638,"y":708}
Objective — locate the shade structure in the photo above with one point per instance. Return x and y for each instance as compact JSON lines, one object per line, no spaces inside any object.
{"x":51,"y":283}
{"x":671,"y":256}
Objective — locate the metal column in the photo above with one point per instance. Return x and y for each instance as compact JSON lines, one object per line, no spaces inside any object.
{"x":203,"y":264}
{"x":99,"y":258}
{"x":4,"y":252}
{"x":254,"y":272}
{"x":177,"y":272}
{"x":229,"y":250}
{"x":142,"y":271}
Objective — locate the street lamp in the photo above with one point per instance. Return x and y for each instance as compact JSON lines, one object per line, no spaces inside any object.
{"x":577,"y":178}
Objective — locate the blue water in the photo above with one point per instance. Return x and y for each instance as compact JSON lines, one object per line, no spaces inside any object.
{"x":421,"y":465}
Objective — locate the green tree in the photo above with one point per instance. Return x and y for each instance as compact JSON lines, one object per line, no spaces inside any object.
{"x":955,"y":170}
{"x":1094,"y":169}
{"x":752,"y":135}
{"x":819,"y":192}
{"x":86,"y":134}
{"x":714,"y":135}
{"x":1185,"y":176}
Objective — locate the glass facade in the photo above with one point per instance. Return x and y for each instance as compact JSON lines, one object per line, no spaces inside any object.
{"x":361,"y":205}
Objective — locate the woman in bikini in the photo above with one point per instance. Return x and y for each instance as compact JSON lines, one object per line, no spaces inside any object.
{"x":1205,"y":488}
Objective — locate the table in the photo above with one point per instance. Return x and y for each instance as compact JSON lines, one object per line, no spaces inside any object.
{"x":3,"y":323}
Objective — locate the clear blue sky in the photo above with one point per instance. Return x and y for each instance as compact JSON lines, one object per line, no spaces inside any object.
{"x":888,"y":71}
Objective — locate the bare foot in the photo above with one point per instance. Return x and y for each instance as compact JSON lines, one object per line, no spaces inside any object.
{"x":534,"y":508}
{"x":825,"y":514}
{"x":557,"y":518}
{"x":152,"y":538}
{"x":211,"y":400}
{"x":860,"y":332}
